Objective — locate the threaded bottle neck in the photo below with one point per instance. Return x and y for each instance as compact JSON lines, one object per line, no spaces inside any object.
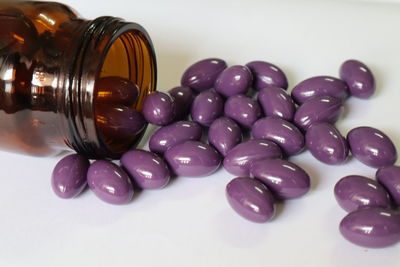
{"x":98,"y":36}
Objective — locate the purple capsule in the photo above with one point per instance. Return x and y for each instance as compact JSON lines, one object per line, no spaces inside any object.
{"x":233,"y":81}
{"x":239,"y":159}
{"x":266,"y":74}
{"x":224,"y":134}
{"x":285,"y":179}
{"x":147,"y":169}
{"x":371,"y":227}
{"x":276,"y":103}
{"x":69,"y":176}
{"x":327,"y":144}
{"x":318,"y":109}
{"x":193,"y":159}
{"x":372,"y":147}
{"x":243,"y":109}
{"x":119,"y":121}
{"x":116,"y":90}
{"x":251,"y":199}
{"x":202,"y":75}
{"x":320,"y":86}
{"x":354,"y":192}
{"x":173,"y":134}
{"x":281,"y":132}
{"x":109,"y":182}
{"x":158,"y":108}
{"x":358,"y":77}
{"x":207,"y":107}
{"x":389,"y":178}
{"x":183,"y":98}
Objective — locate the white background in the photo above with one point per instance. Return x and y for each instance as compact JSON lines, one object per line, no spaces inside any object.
{"x":189,"y":223}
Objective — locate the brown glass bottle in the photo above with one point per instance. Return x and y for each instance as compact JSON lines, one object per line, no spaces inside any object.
{"x":50,"y":60}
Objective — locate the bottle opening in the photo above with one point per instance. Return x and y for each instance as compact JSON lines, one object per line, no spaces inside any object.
{"x":126,"y":76}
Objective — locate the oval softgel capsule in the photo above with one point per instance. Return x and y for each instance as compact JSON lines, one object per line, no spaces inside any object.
{"x":193,"y":159}
{"x":109,"y":182}
{"x":371,"y":227}
{"x":251,"y":199}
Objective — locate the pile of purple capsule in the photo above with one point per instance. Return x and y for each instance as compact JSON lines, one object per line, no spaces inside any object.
{"x":252,"y":127}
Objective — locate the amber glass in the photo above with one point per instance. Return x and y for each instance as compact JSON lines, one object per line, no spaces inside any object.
{"x":50,"y":59}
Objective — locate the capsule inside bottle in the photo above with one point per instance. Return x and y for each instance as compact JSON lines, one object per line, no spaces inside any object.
{"x":116,"y":90}
{"x":116,"y":117}
{"x":118,"y":98}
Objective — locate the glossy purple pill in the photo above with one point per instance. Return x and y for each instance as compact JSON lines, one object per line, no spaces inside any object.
{"x":193,"y":159}
{"x":158,"y":108}
{"x":285,"y":179}
{"x":243,"y":109}
{"x":183,"y":98}
{"x":318,"y":109}
{"x":320,"y":86}
{"x":276,"y":103}
{"x":372,"y":147}
{"x":239,"y":159}
{"x":354,"y":192}
{"x":207,"y":107}
{"x":285,"y":134}
{"x":116,"y":90}
{"x":233,"y":81}
{"x":266,"y":74}
{"x":109,"y":182}
{"x":173,"y":134}
{"x":147,"y":169}
{"x":371,"y":227}
{"x":224,"y":134}
{"x":251,"y":199}
{"x":389,"y":178}
{"x":202,"y":75}
{"x":119,"y":121}
{"x":358,"y":77}
{"x":69,"y":176}
{"x":327,"y":144}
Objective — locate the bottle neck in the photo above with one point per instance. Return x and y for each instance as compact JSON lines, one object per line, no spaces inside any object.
{"x":98,"y":38}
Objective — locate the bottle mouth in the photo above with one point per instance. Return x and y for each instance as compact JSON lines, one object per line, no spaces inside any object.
{"x":111,"y":47}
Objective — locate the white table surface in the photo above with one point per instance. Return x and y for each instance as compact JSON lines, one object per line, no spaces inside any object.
{"x":189,"y":223}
